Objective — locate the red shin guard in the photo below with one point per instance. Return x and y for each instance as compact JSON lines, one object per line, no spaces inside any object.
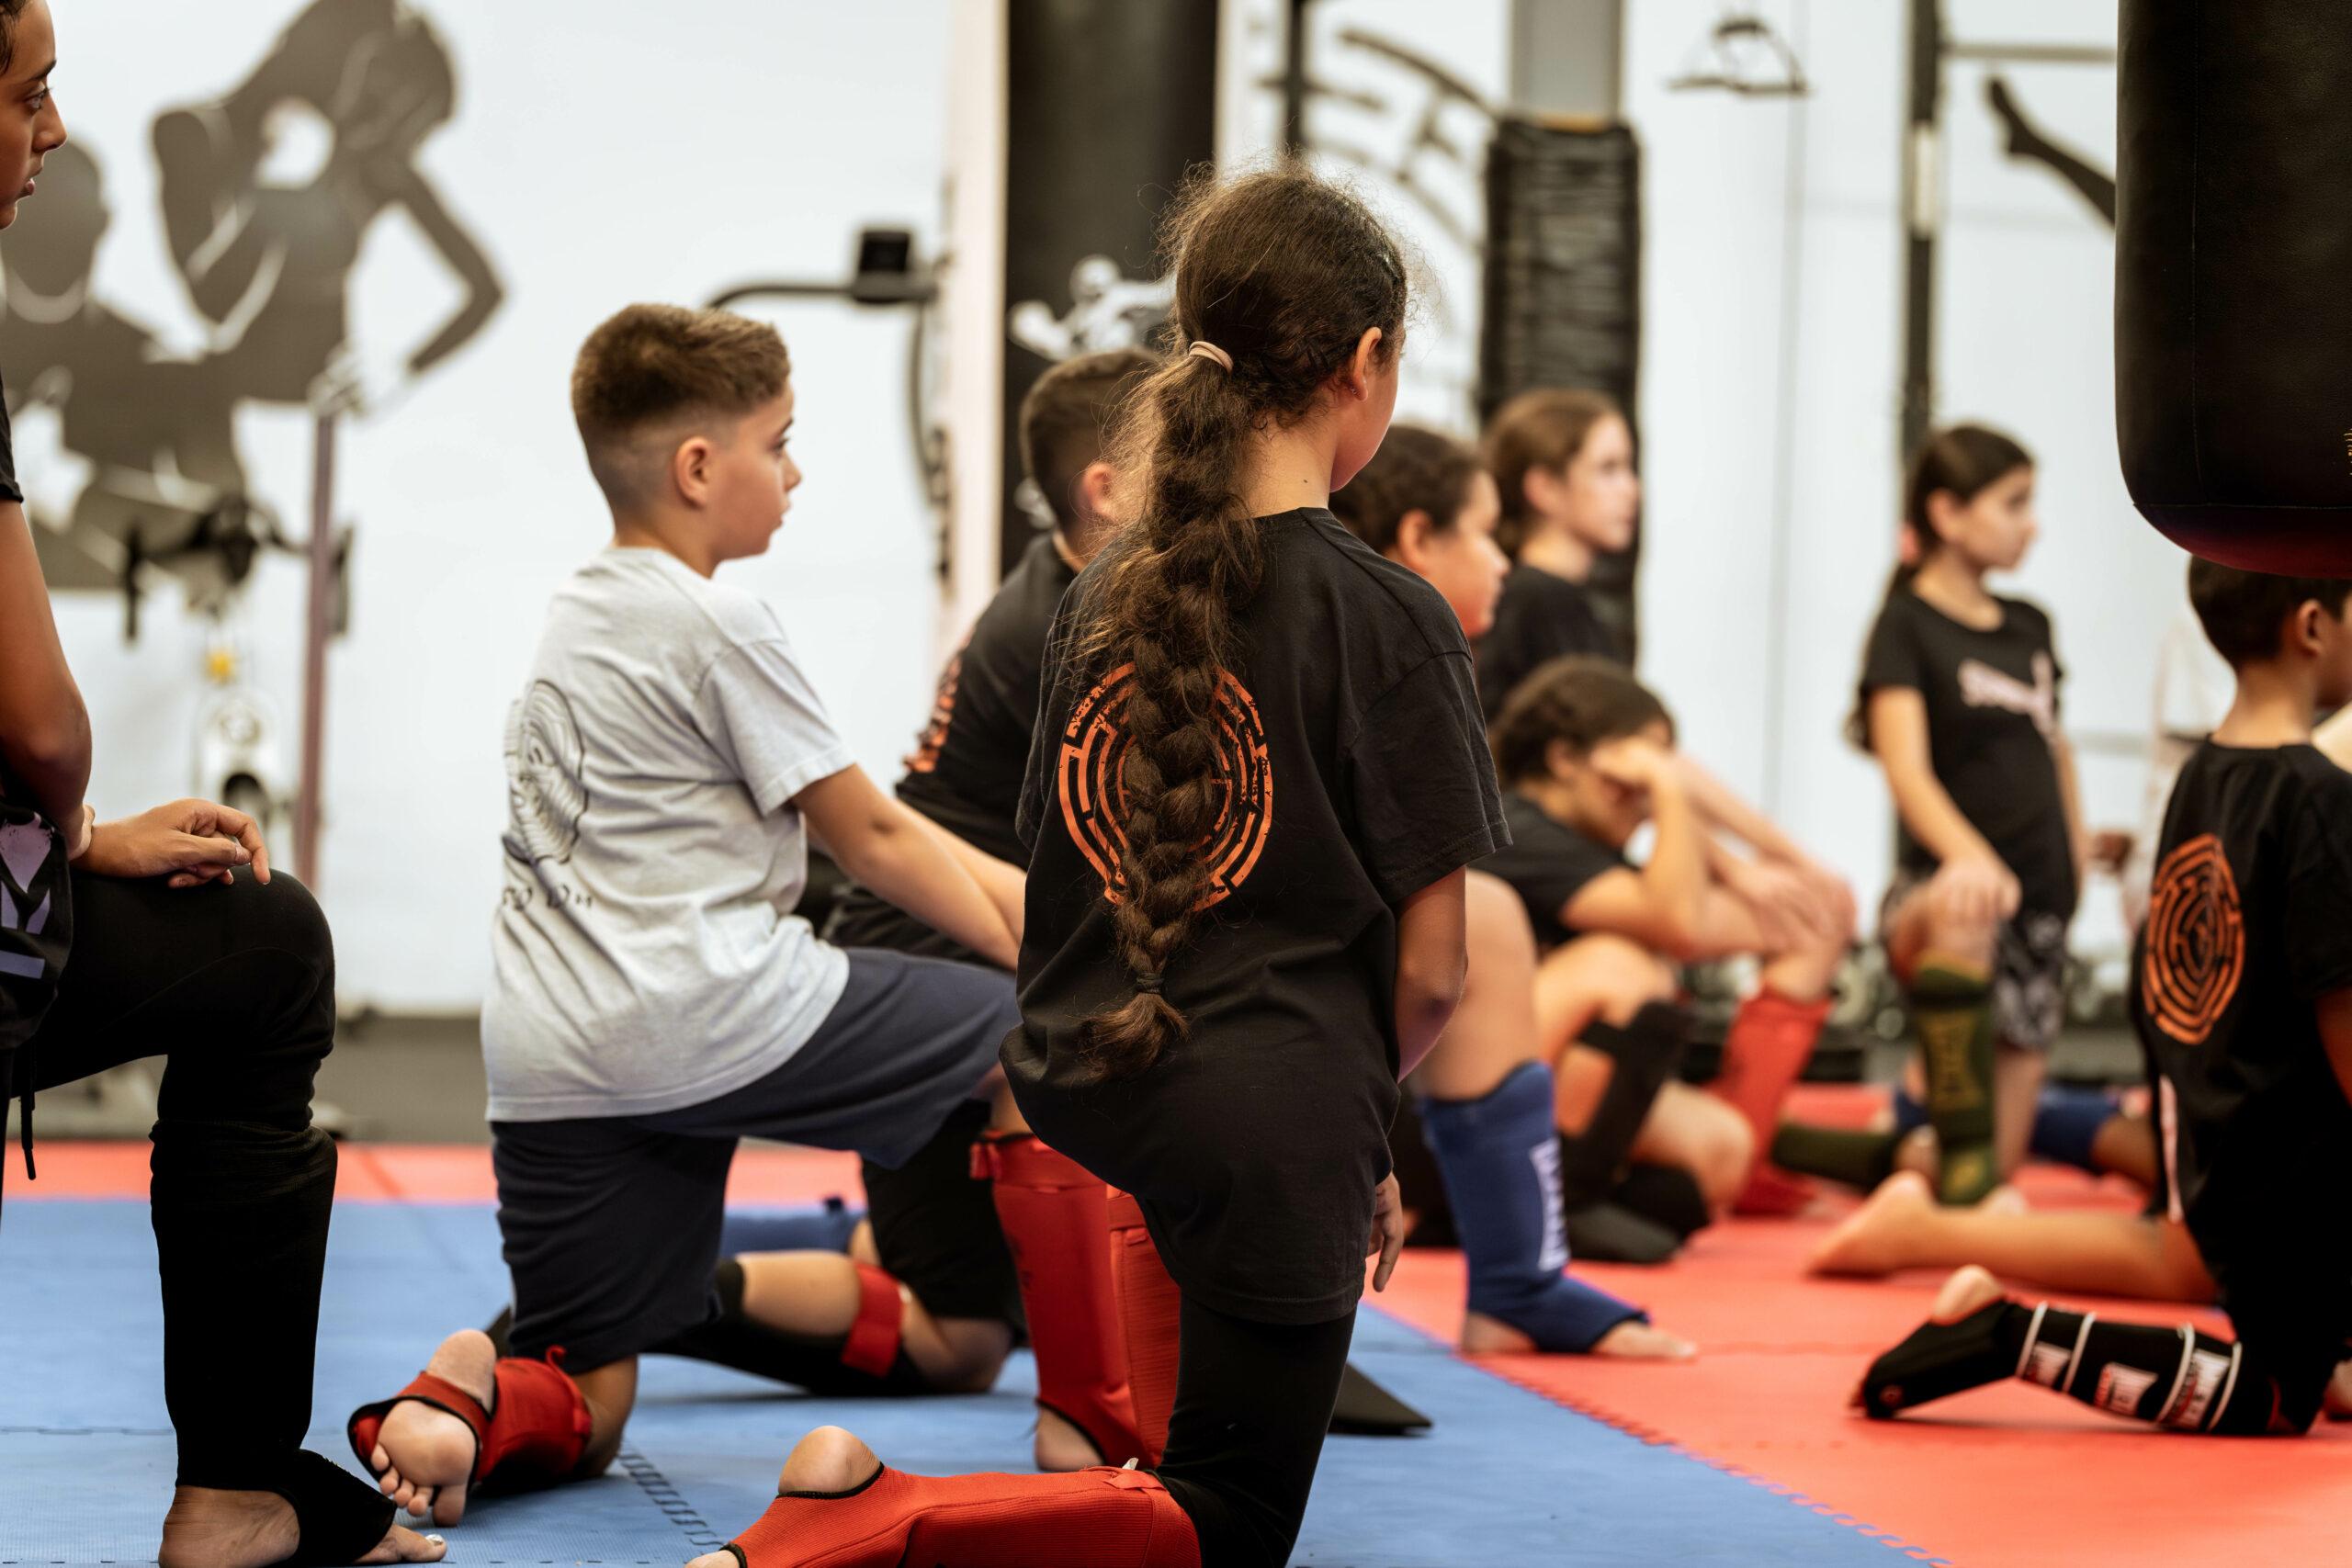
{"x":1090,"y":1518}
{"x":1051,"y":1210}
{"x":1150,"y":1306}
{"x":1769,"y":1041}
{"x":535,"y":1429}
{"x":872,"y":1347}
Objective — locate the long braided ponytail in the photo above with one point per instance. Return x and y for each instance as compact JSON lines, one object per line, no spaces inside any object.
{"x":1282,"y":273}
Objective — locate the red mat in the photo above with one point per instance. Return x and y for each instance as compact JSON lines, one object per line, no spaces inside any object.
{"x":2005,"y":1475}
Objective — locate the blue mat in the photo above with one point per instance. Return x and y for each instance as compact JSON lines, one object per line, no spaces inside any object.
{"x":86,"y":1454}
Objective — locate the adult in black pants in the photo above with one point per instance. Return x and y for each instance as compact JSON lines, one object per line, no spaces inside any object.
{"x":166,"y":934}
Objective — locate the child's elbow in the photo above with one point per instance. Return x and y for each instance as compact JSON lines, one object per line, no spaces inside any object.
{"x":1432,"y":983}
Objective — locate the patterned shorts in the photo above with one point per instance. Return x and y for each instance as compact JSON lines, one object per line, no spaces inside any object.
{"x":2029,"y":968}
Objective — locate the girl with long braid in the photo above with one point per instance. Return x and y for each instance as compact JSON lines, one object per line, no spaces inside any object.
{"x":1258,"y":774}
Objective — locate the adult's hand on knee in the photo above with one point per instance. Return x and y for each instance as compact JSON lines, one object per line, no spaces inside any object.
{"x":1388,"y":1230}
{"x":187,"y":842}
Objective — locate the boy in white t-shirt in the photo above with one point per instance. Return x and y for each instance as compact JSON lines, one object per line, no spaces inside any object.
{"x":655,"y":997}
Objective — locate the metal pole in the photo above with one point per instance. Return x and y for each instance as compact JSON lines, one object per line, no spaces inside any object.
{"x":318,"y":630}
{"x":1922,"y":210}
{"x":1295,"y":80}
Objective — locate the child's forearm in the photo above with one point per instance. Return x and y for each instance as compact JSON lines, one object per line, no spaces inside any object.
{"x":1676,"y":877}
{"x":1939,"y":825}
{"x":1006,"y":885}
{"x":1722,"y":809}
{"x":902,"y":860}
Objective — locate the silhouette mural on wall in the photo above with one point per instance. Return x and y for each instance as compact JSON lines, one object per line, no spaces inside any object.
{"x":267,"y":262}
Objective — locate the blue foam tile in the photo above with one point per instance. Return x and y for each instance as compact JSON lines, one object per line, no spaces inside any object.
{"x":85,"y":1455}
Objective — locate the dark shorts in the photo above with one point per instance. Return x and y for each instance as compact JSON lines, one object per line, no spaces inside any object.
{"x":2029,"y":969}
{"x":935,"y":1227}
{"x":611,"y":1223}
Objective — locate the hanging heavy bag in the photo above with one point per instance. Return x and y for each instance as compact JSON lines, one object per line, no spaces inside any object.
{"x":2233,"y":278}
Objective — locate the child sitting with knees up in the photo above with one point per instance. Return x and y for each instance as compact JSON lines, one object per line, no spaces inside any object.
{"x":2242,"y":997}
{"x":1586,"y":758}
{"x":1485,"y":1094}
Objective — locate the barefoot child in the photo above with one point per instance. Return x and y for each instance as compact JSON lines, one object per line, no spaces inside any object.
{"x":654,"y":998}
{"x":2242,"y":995}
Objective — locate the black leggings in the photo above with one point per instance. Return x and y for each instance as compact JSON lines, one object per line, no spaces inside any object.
{"x":234,"y":988}
{"x":1253,"y":1401}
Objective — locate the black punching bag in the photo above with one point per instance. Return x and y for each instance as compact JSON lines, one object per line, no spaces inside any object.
{"x":2233,"y":277}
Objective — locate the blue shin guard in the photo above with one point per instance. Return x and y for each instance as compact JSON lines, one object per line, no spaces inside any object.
{"x":1501,"y":1160}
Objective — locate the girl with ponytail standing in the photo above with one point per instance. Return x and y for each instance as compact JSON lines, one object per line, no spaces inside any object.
{"x":1959,"y":704}
{"x":1258,"y":774}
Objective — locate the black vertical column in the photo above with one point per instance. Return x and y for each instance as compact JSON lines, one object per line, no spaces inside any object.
{"x":1110,"y":102}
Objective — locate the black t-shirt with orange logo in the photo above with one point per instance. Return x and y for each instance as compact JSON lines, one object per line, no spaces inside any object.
{"x":1991,"y":701}
{"x":1357,"y":774}
{"x":2249,"y":923}
{"x":967,"y":768}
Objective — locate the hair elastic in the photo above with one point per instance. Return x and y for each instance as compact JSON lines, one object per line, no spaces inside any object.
{"x":1149,"y":985}
{"x":1212,"y":354}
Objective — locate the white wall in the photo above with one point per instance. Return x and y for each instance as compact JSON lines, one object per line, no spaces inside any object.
{"x":1762,"y":381}
{"x":603,"y":152}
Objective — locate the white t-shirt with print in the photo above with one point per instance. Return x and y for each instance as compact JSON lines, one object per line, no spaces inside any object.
{"x":646,"y":954}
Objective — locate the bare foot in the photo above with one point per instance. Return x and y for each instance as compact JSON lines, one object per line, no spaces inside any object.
{"x":1484,"y":1335}
{"x":426,"y":1456}
{"x":208,"y":1528}
{"x":1968,"y":1290}
{"x":2003,"y":1200}
{"x":1062,"y":1448}
{"x":1869,"y":1242}
{"x":827,"y":1460}
{"x":1643,"y":1342}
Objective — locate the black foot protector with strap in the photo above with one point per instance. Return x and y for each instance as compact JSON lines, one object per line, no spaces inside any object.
{"x":866,"y":1362}
{"x":1940,"y":1360}
{"x":1642,"y":1056}
{"x":341,"y":1518}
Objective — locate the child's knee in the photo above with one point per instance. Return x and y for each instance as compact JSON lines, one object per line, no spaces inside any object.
{"x":1620,"y":975}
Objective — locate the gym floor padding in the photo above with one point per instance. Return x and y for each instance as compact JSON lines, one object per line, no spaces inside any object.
{"x":1745,"y":1457}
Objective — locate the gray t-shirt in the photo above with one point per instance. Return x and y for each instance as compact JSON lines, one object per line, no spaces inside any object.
{"x":646,"y":954}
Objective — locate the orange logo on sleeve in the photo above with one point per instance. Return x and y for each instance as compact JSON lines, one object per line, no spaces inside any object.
{"x":2196,"y":942}
{"x":1093,"y":786}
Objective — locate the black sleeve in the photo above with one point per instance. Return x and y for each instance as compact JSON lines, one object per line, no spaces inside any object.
{"x":2319,"y":892}
{"x":1421,"y":780}
{"x":1548,"y":868}
{"x":1548,"y":621}
{"x":8,"y":487}
{"x":1894,"y":657}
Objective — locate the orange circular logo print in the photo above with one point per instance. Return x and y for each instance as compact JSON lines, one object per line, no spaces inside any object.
{"x":1093,"y":786}
{"x":2196,"y":942}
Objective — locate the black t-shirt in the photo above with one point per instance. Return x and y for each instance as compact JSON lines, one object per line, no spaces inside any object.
{"x":2249,"y":923}
{"x":968,"y":764}
{"x":1540,"y":616}
{"x":1547,"y":864}
{"x":1357,"y":775}
{"x":1992,"y":700}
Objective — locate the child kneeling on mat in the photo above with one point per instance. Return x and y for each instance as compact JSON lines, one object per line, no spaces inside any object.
{"x":654,"y":998}
{"x":2242,"y":995}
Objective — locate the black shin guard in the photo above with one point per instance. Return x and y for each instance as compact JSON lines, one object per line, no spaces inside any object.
{"x":1953,"y":1011}
{"x":2177,"y":1377}
{"x":1859,"y":1159}
{"x":809,"y":1362}
{"x":1642,"y":1056}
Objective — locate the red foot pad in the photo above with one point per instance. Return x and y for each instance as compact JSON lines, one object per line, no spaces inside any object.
{"x":1093,"y":1518}
{"x":1771,"y":1191}
{"x":872,"y":1347}
{"x":534,"y":1433}
{"x":1051,"y":1210}
{"x":1150,"y":1307}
